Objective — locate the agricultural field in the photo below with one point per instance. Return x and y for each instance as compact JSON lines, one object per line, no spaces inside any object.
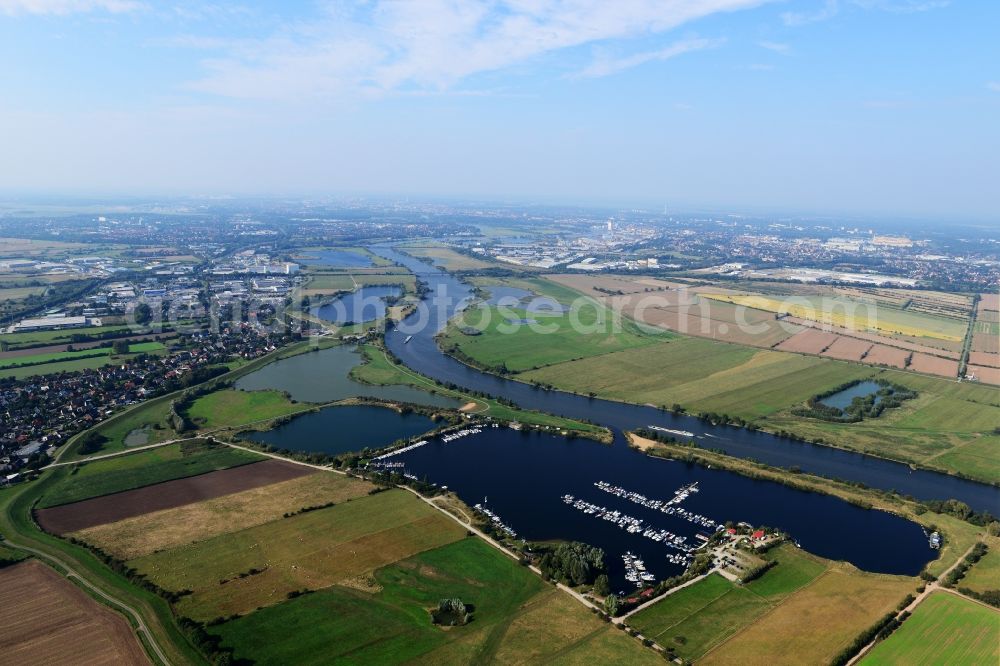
{"x":702,"y":375}
{"x":447,"y":258}
{"x":944,"y":629}
{"x":328,"y":283}
{"x":167,"y":495}
{"x":165,"y":463}
{"x":312,"y":550}
{"x":531,"y":340}
{"x":385,"y":618}
{"x":598,"y":286}
{"x":984,"y":575}
{"x":229,"y":408}
{"x":34,"y":338}
{"x":48,"y":620}
{"x":54,"y":357}
{"x":855,"y":315}
{"x":170,"y":528}
{"x":949,"y":425}
{"x":697,"y":618}
{"x":19,"y":293}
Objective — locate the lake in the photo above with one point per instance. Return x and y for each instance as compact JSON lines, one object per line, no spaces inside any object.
{"x":337,"y":258}
{"x":522,"y":476}
{"x":323,"y":376}
{"x":358,"y":307}
{"x":843,"y":399}
{"x":447,"y":295}
{"x":336,"y":430}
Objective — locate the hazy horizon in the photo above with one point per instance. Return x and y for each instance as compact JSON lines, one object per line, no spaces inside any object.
{"x":866,"y":108}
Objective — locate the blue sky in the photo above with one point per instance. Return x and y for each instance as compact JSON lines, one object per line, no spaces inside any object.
{"x":882,"y":107}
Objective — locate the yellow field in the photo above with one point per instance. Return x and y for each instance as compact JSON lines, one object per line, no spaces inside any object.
{"x":815,"y":623}
{"x":853,"y":315}
{"x":135,"y":537}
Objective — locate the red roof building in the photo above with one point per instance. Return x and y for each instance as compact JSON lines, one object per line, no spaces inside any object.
{"x":758,"y":535}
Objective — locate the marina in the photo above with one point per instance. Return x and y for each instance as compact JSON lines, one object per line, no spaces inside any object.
{"x":495,"y":520}
{"x":405,"y":449}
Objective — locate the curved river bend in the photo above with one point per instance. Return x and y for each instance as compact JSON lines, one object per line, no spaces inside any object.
{"x":447,"y":295}
{"x":522,"y":477}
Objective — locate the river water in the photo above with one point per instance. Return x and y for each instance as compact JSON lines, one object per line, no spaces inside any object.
{"x":447,"y":295}
{"x":523,"y":476}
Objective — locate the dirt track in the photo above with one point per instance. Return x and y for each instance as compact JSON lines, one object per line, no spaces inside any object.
{"x":167,"y":495}
{"x":48,"y":620}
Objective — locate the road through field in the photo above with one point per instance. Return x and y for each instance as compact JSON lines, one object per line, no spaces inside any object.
{"x":132,"y":613}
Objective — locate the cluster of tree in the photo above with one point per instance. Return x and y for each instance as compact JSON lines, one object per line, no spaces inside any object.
{"x":452,"y":613}
{"x":206,"y":643}
{"x":880,"y":630}
{"x":868,"y":406}
{"x":307,"y":509}
{"x":90,"y":442}
{"x":757,"y":571}
{"x":133,"y":576}
{"x":961,"y":510}
{"x":573,"y":563}
{"x":958,"y":573}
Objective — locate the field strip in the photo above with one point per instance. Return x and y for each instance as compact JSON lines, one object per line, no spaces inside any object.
{"x":771,"y":608}
{"x":931,"y":586}
{"x":134,"y":616}
{"x":472,"y":528}
{"x":671,"y":591}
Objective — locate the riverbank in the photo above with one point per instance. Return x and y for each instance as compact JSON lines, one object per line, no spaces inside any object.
{"x":959,"y":535}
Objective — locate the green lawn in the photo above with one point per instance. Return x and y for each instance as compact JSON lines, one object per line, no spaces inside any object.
{"x":230,"y":408}
{"x":173,"y":461}
{"x":795,"y":568}
{"x":701,"y":616}
{"x":60,"y":366}
{"x":702,"y":375}
{"x":391,"y":623}
{"x":518,"y":340}
{"x":985,"y":574}
{"x":944,"y":629}
{"x":698,"y":617}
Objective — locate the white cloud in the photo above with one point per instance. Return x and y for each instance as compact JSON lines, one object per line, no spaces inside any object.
{"x":832,"y":7}
{"x":829,"y":10}
{"x":777,"y":47}
{"x":385,"y":46}
{"x":604,"y":65}
{"x":65,"y":7}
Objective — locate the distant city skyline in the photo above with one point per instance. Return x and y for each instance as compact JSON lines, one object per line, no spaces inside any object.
{"x":880,"y":107}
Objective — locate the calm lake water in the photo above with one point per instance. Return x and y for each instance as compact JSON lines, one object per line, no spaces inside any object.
{"x":358,"y":307}
{"x":843,"y":399}
{"x":523,"y":477}
{"x":322,"y":376}
{"x":342,"y":429}
{"x":337,"y":258}
{"x":447,"y":295}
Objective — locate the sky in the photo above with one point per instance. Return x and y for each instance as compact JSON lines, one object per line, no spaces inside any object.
{"x":881,"y":107}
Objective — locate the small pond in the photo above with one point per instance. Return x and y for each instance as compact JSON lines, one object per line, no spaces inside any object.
{"x":323,"y":376}
{"x":358,"y":307}
{"x":843,"y":399}
{"x":342,"y":429}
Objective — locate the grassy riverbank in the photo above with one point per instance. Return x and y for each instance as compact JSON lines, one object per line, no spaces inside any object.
{"x":959,"y":535}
